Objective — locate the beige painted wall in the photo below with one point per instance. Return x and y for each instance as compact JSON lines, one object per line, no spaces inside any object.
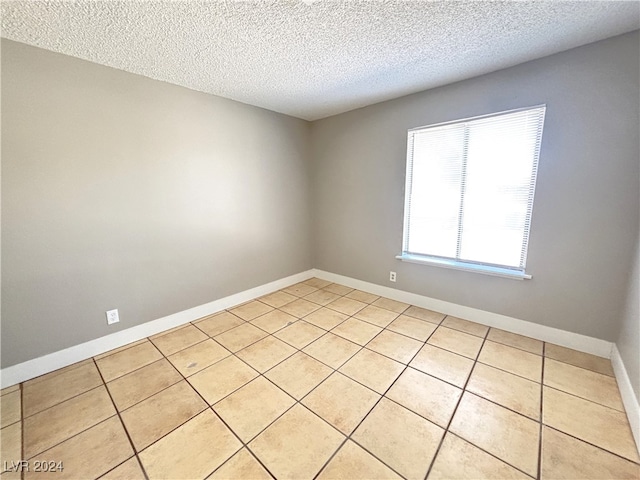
{"x":123,"y":192}
{"x":585,"y":216}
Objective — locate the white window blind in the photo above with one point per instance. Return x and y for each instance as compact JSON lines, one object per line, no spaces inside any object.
{"x":470,"y":187}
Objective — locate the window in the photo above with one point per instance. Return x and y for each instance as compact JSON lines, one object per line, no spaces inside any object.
{"x":469,"y":192}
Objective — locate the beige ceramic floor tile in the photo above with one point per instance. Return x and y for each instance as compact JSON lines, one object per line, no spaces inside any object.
{"x":219,"y":323}
{"x":105,"y":354}
{"x":332,"y":350}
{"x":395,"y":346}
{"x":341,"y":402}
{"x":273,"y":321}
{"x":588,"y":421}
{"x":266,"y":353}
{"x":168,"y":458}
{"x":510,"y":391}
{"x":593,"y":386}
{"x":443,"y":364}
{"x":129,"y":470}
{"x":11,"y":475}
{"x":317,"y":282}
{"x":372,"y":370}
{"x":240,"y":337}
{"x":338,"y":289}
{"x":10,"y":389}
{"x":37,"y":396}
{"x":128,"y":360}
{"x":424,"y":314}
{"x":564,"y":457}
{"x":356,"y":331}
{"x":299,"y":289}
{"x":346,"y":305}
{"x":512,"y":360}
{"x":277,"y":299}
{"x":56,"y":424}
{"x":412,"y":327}
{"x":376,"y":315}
{"x":298,"y":375}
{"x":179,"y":340}
{"x":427,"y":396}
{"x":393,"y":305}
{"x":222,"y":378}
{"x":156,"y":416}
{"x":353,"y":462}
{"x":170,"y":330}
{"x":242,"y":466}
{"x":501,"y":432}
{"x":361,"y":296}
{"x":297,"y":445}
{"x":136,"y":386}
{"x":10,"y":409}
{"x":89,"y":454}
{"x":300,"y":308}
{"x":251,"y":310}
{"x":11,"y":441}
{"x":465,"y":326}
{"x":579,"y":359}
{"x":197,"y":357}
{"x":459,"y":460}
{"x":400,"y":438}
{"x":456,"y":342}
{"x":253,"y":407}
{"x":326,"y":318}
{"x":300,"y":334}
{"x":530,"y":345}
{"x":321,"y":297}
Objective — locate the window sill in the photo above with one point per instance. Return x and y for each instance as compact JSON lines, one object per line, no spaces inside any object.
{"x":464,"y":266}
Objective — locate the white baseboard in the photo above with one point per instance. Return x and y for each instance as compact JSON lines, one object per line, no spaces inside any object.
{"x":53,"y":361}
{"x":630,"y":401}
{"x":48,"y":363}
{"x":563,"y":338}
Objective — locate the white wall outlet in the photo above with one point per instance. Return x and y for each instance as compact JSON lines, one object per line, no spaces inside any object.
{"x":392,"y":276}
{"x":112,"y":317}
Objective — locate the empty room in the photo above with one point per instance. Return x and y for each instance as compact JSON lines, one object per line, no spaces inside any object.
{"x":320,"y":239}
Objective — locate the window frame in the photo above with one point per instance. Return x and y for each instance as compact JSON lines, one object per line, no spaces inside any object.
{"x":466,"y":265}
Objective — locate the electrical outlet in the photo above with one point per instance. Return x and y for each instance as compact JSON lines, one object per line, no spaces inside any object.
{"x":392,"y":276}
{"x":112,"y":317}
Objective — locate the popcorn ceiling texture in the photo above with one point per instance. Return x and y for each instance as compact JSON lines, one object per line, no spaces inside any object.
{"x":313,"y":59}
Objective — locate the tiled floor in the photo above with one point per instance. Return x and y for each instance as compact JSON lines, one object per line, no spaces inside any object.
{"x":322,"y":381}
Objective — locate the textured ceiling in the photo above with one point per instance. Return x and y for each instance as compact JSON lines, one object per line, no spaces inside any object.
{"x":313,"y":59}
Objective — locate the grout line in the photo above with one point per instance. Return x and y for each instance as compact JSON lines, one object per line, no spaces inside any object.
{"x":124,"y":427}
{"x":493,"y":455}
{"x":57,"y":372}
{"x":119,"y":465}
{"x":156,"y":392}
{"x":509,"y":372}
{"x":406,"y":366}
{"x":208,"y":407}
{"x":551,"y":427}
{"x":518,"y":348}
{"x":219,"y":333}
{"x":557,"y":389}
{"x":539,"y":476}
{"x":383,"y":395}
{"x":61,"y":402}
{"x":453,"y":414}
{"x":22,"y":425}
{"x":144,"y":472}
